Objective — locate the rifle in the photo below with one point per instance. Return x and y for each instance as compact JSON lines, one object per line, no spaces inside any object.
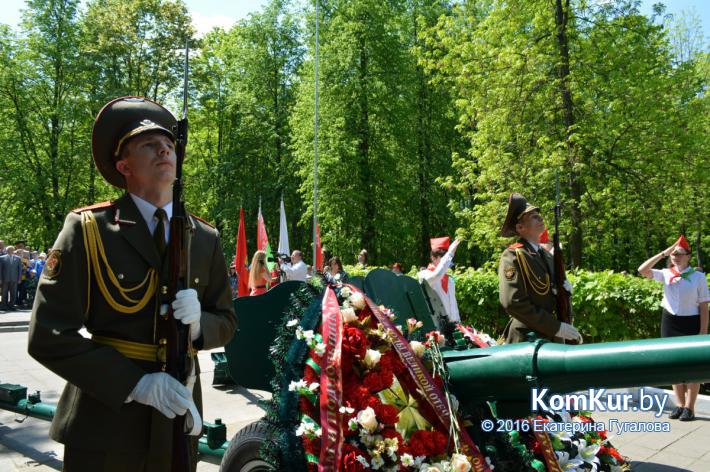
{"x":179,"y":342}
{"x":564,"y":307}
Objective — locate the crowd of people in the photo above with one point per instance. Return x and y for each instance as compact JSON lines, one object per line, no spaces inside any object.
{"x":20,"y":268}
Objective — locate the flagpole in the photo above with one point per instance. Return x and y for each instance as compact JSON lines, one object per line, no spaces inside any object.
{"x":315,"y":155}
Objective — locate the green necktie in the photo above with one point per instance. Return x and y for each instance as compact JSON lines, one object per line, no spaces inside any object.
{"x":159,"y":233}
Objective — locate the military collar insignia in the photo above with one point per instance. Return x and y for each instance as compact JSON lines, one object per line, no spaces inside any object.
{"x":53,"y":266}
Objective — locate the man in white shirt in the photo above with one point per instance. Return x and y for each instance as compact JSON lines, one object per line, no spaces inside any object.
{"x":296,"y":269}
{"x":437,"y":279}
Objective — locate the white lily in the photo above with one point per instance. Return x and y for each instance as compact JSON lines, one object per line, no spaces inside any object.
{"x":588,"y":453}
{"x":567,"y":463}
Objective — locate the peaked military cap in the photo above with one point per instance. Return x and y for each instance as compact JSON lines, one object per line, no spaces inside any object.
{"x":517,"y":207}
{"x":118,"y":121}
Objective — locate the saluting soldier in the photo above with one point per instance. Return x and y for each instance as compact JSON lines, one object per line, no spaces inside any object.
{"x":525,"y":278}
{"x":107,"y":272}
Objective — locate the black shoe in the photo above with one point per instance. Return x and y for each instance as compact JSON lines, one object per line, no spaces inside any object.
{"x":676,"y":412}
{"x":687,"y":415}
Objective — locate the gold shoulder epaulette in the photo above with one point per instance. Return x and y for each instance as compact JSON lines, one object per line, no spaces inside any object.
{"x":95,"y":206}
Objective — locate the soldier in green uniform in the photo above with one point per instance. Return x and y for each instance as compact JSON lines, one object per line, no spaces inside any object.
{"x":525,"y":278}
{"x":107,"y":272}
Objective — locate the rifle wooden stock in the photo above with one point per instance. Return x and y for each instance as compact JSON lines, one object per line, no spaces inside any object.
{"x":178,"y":362}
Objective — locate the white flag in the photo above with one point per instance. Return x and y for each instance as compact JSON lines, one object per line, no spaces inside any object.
{"x":283,"y":231}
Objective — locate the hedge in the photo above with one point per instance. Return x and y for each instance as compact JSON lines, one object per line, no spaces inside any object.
{"x":608,"y":306}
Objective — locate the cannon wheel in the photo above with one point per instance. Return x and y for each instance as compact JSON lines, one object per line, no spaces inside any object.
{"x":242,"y":455}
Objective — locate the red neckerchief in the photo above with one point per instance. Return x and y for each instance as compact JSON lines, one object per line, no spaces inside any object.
{"x":680,"y":275}
{"x":444,"y":279}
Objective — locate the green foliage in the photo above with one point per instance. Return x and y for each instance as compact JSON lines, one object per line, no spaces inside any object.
{"x":431,"y":113}
{"x":629,"y":134}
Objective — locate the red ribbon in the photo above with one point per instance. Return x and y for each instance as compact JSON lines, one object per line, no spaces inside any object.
{"x":467,"y":333}
{"x":331,"y":384}
{"x":433,"y":395}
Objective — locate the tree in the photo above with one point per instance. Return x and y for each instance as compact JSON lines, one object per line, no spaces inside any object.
{"x":242,"y":150}
{"x":42,"y":123}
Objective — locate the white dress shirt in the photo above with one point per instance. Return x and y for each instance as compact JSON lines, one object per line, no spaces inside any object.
{"x":147,"y":211}
{"x":682,"y":297}
{"x":297,"y":271}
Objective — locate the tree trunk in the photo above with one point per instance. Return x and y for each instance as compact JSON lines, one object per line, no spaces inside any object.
{"x":367,"y":239}
{"x":563,"y":72}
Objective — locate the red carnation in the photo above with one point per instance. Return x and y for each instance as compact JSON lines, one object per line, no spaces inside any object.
{"x":378,"y":380}
{"x":349,"y":461}
{"x":354,"y":342}
{"x":420,"y":443}
{"x":386,"y":414}
{"x":439,"y":443}
{"x":391,"y":361}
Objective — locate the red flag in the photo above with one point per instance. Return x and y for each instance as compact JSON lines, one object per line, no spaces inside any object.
{"x":261,"y":239}
{"x":240,"y":259}
{"x":319,"y":251}
{"x":262,"y":242}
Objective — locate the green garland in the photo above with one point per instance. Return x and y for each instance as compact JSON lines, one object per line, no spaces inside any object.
{"x":284,"y":450}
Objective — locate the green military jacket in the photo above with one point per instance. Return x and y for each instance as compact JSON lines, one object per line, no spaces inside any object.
{"x":527,"y":293}
{"x":92,"y":413}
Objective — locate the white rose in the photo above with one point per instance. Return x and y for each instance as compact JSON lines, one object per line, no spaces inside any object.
{"x":417,"y":347}
{"x":367,"y":419}
{"x":372,"y":357}
{"x":429,"y":468}
{"x":459,"y":463}
{"x":345,"y":292}
{"x":348,"y":315}
{"x":357,"y":300}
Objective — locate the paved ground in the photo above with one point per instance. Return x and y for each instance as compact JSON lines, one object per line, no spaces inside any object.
{"x":24,"y":445}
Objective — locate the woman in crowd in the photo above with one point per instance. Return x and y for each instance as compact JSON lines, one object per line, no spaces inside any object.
{"x":233,"y":280}
{"x":259,"y":277}
{"x":336,"y":274}
{"x":685,"y":310}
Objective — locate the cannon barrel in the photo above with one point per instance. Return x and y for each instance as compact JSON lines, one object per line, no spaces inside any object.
{"x":507,"y":373}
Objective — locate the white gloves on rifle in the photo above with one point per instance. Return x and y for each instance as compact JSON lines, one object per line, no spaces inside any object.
{"x":164,"y":393}
{"x":569,"y":332}
{"x":186,"y":308}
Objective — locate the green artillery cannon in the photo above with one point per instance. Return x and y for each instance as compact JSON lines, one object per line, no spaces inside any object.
{"x":507,"y":374}
{"x":503,"y":374}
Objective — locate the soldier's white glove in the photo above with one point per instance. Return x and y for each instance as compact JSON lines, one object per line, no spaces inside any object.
{"x":164,"y":393}
{"x":568,"y":286}
{"x":187,"y":309}
{"x":567,"y":331}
